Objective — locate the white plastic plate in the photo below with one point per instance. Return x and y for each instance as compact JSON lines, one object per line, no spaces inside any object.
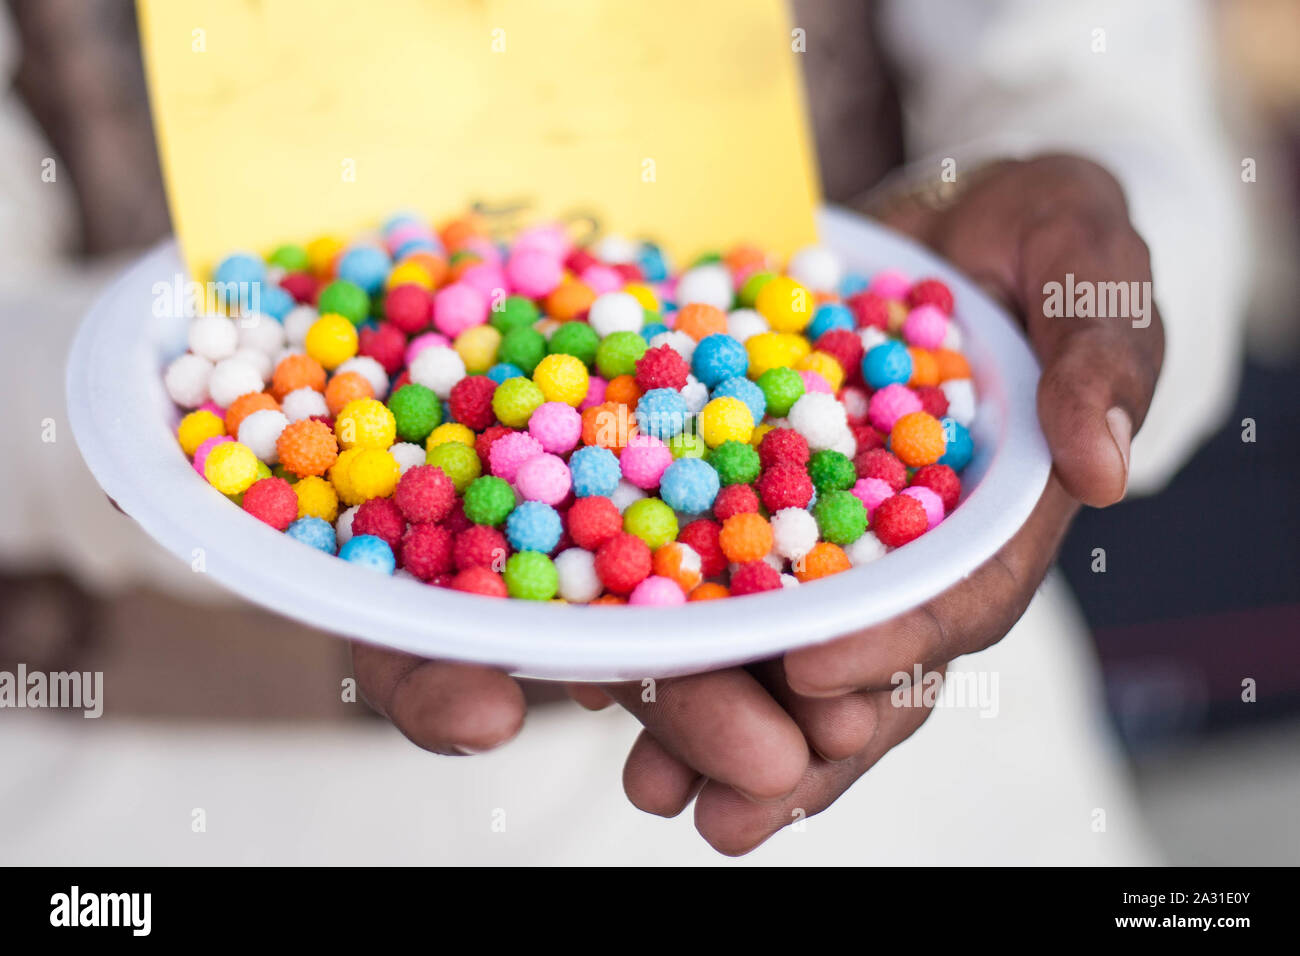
{"x":123,"y":422}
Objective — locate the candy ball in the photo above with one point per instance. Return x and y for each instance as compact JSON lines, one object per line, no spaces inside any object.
{"x":708,"y":285}
{"x":438,"y":369}
{"x":644,"y":460}
{"x":531,"y":576}
{"x":515,"y":401}
{"x":578,"y":580}
{"x":786,"y":304}
{"x":820,"y":419}
{"x":898,"y":520}
{"x":186,"y":380}
{"x":303,"y":403}
{"x":331,"y":340}
{"x":314,"y":532}
{"x":196,"y":428}
{"x":618,"y":353}
{"x":345,"y":298}
{"x":616,"y":312}
{"x":458,"y":461}
{"x":959,"y":447}
{"x":725,"y":419}
{"x":651,"y":520}
{"x":534,"y":273}
{"x":690,"y":485}
{"x":231,"y":378}
{"x":917,"y":439}
{"x":369,"y":552}
{"x":622,"y":562}
{"x":930,"y":501}
{"x":489,"y":500}
{"x":794,"y":532}
{"x":214,"y":337}
{"x":595,"y":472}
{"x":544,"y":478}
{"x":562,"y":378}
{"x":658,"y":592}
{"x":230,"y":467}
{"x":887,"y":364}
{"x":260,"y":431}
{"x":678,"y":562}
{"x":534,"y":526}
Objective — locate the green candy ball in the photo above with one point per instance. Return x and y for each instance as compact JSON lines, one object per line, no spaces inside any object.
{"x":523,"y":348}
{"x":416,"y":410}
{"x":831,"y":471}
{"x":841,"y":517}
{"x":489,"y":500}
{"x":346,"y":299}
{"x":531,"y":575}
{"x":782,"y":387}
{"x":577,"y":339}
{"x":735,"y":462}
{"x":617,"y":354}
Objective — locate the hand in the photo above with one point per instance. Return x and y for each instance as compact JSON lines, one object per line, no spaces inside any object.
{"x":763,"y":745}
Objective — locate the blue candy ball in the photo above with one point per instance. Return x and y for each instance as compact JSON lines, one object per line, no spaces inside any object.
{"x":831,"y":315}
{"x":661,"y":413}
{"x":504,"y":370}
{"x":719,"y":357}
{"x":313,"y":532}
{"x":595,"y":472}
{"x":367,"y":266}
{"x":689,"y":485}
{"x":240,"y":267}
{"x":852,"y":284}
{"x":652,"y":263}
{"x":959,"y":447}
{"x":534,"y":526}
{"x":652,"y":329}
{"x":275,"y":302}
{"x":369,"y":552}
{"x":745,"y":390}
{"x":419,"y":244}
{"x":887,"y":364}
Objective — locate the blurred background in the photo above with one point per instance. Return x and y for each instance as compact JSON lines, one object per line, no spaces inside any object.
{"x":1201,"y":590}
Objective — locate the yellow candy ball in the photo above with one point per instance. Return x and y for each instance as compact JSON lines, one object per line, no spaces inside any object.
{"x":449,"y":431}
{"x":562,"y":378}
{"x":339,"y":475}
{"x":787,"y":305}
{"x":231,"y":467}
{"x":477,"y":348}
{"x":409,"y":273}
{"x":643,"y":294}
{"x":825,"y":365}
{"x":196,"y":428}
{"x":365,"y":423}
{"x":726,"y":419}
{"x":321,"y":253}
{"x":769,"y":350}
{"x":759,"y":432}
{"x":331,"y":340}
{"x":316,"y":498}
{"x":374,"y":474}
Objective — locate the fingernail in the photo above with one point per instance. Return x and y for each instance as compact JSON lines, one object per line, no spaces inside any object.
{"x":464,"y":751}
{"x":1121,"y":432}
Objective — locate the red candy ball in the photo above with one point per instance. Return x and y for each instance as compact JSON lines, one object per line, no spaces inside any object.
{"x":930,"y":292}
{"x":866,"y":437}
{"x":386,"y":344}
{"x":480,"y":546}
{"x":622,"y":563}
{"x":456,"y":522}
{"x":479,"y":580}
{"x":942,"y":480}
{"x":734,"y":500}
{"x":933,"y":400}
{"x":425,"y":493}
{"x":870,"y":309}
{"x":896,"y":521}
{"x":303,"y":286}
{"x":846,"y":348}
{"x":754,"y":577}
{"x":471,"y":402}
{"x":483,"y":442}
{"x":272,"y":500}
{"x":426,"y":551}
{"x":879,"y":463}
{"x":661,"y":367}
{"x":785,"y":486}
{"x":783,"y":446}
{"x":382,"y":518}
{"x":593,"y":521}
{"x":702,"y":535}
{"x":409,"y":308}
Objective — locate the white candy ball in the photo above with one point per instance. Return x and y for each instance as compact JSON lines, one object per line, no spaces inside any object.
{"x":709,"y":284}
{"x":865,"y":550}
{"x":789,"y":581}
{"x":816,"y":267}
{"x":284,"y":353}
{"x":960,"y":393}
{"x":952,"y":337}
{"x":744,"y":324}
{"x":186,"y":380}
{"x":438,"y":368}
{"x":408,"y":455}
{"x":696,"y":394}
{"x":261,"y":332}
{"x":794,"y":532}
{"x":579,"y":581}
{"x":616,"y":312}
{"x":616,"y":250}
{"x":679,"y":342}
{"x":259,"y":360}
{"x":297,"y":322}
{"x":214,"y":337}
{"x":370,"y":370}
{"x":303,"y":403}
{"x":260,"y":431}
{"x":343,"y":525}
{"x":871,"y":337}
{"x":231,"y":378}
{"x":820,"y":419}
{"x":625,"y":494}
{"x":846,"y":444}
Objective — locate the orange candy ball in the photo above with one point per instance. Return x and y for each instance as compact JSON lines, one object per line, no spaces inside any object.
{"x":917,"y":439}
{"x":823,"y":560}
{"x":623,"y":390}
{"x":569,"y":300}
{"x":609,"y":425}
{"x":951,"y":364}
{"x":244,"y":406}
{"x":307,"y":447}
{"x":925,"y":369}
{"x":294,"y":372}
{"x":678,"y":562}
{"x":709,"y":591}
{"x":745,"y":537}
{"x":700,"y":321}
{"x":345,"y":387}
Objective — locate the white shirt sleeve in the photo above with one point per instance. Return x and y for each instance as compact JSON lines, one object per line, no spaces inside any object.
{"x":1129,"y":85}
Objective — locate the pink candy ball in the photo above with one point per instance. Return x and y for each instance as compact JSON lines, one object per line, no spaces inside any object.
{"x":485,"y":277}
{"x":556,"y":426}
{"x":549,"y":238}
{"x":213,"y":407}
{"x":595,"y":393}
{"x":459,"y":307}
{"x":423,"y":341}
{"x":930,"y":501}
{"x":890,"y":404}
{"x":658,"y":591}
{"x":644,"y":461}
{"x":890,"y":284}
{"x":534,"y":273}
{"x":544,"y":478}
{"x":509,"y":452}
{"x":813,"y":382}
{"x":201,"y":453}
{"x":871,"y":492}
{"x":484,"y":248}
{"x":402,"y":234}
{"x":602,"y":279}
{"x":925,"y":327}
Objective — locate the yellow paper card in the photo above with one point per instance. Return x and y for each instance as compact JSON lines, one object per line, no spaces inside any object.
{"x":675,"y":120}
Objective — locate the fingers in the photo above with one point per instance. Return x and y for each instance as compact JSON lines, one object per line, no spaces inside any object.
{"x":967,"y":617}
{"x":735,"y":826}
{"x":836,"y":728}
{"x":725,"y":726}
{"x":590,"y":696}
{"x":444,"y":707}
{"x":655,"y":781}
